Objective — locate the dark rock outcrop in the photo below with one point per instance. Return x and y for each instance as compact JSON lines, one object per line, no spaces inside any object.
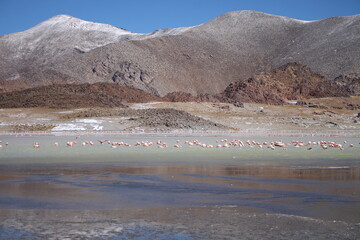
{"x":131,"y":75}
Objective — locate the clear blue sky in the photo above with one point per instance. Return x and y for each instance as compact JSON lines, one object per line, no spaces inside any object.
{"x":144,"y":16}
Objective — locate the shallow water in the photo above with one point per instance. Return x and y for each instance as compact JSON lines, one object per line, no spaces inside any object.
{"x":20,"y":151}
{"x":150,"y":193}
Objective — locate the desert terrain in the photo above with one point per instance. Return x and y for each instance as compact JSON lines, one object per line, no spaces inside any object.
{"x":321,"y":114}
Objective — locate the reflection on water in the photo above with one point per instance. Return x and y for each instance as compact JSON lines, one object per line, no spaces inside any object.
{"x":306,"y":192}
{"x":309,"y":173}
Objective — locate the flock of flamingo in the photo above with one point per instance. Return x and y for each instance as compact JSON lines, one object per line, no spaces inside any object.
{"x":222,"y":143}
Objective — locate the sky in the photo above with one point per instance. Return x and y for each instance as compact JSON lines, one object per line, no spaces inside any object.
{"x":144,"y":16}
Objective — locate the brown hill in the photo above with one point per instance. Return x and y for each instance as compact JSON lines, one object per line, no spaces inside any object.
{"x":291,"y":81}
{"x":75,"y":96}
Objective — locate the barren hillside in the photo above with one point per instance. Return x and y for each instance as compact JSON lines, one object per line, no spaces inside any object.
{"x":197,"y":60}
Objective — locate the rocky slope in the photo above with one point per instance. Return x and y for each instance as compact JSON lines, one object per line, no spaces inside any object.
{"x":202,"y":59}
{"x":351,"y":82}
{"x":291,"y":81}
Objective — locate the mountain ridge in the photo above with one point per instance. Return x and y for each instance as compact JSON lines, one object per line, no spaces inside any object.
{"x":228,"y":48}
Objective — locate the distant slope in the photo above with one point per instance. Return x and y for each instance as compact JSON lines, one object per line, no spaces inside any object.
{"x":197,"y":60}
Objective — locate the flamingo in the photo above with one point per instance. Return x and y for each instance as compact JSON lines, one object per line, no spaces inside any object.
{"x":280,"y":144}
{"x":36,"y":145}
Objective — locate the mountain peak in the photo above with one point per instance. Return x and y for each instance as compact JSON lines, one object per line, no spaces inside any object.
{"x":61,"y":17}
{"x":67,"y":21}
{"x":58,"y":19}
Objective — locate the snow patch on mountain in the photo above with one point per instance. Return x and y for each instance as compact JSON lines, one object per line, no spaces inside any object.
{"x":69,"y":33}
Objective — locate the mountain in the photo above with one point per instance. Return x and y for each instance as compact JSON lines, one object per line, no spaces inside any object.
{"x":202,"y":59}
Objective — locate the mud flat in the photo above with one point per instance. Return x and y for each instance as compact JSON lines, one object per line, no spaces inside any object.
{"x":217,"y":222}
